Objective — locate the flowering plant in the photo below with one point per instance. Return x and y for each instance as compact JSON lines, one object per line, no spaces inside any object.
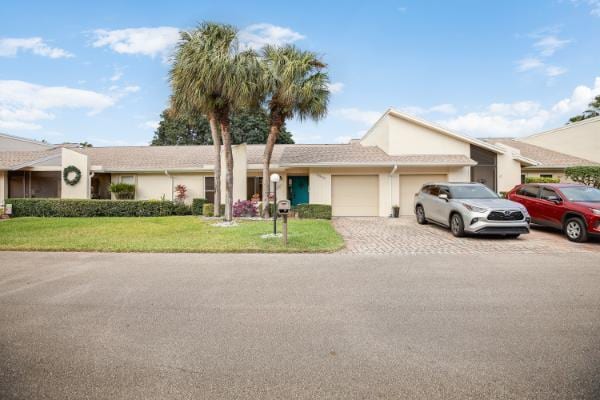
{"x":244,"y":208}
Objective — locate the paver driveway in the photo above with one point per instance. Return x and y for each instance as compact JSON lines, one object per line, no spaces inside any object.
{"x":405,"y":236}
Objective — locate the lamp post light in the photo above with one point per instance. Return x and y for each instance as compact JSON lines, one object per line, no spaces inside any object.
{"x":275,"y":178}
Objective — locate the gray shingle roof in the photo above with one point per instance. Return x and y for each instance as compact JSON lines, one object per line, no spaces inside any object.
{"x":199,"y":157}
{"x":149,"y":157}
{"x":9,"y":159}
{"x":547,"y":158}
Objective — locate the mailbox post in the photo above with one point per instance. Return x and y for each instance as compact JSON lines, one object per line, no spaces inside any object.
{"x":283,"y":209}
{"x":275,"y":178}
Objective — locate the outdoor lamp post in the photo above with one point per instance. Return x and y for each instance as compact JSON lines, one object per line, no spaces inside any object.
{"x":275,"y":178}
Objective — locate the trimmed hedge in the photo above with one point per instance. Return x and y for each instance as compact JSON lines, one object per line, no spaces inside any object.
{"x":197,"y":205}
{"x":539,"y":179}
{"x":208,"y":210}
{"x":95,"y":208}
{"x":316,"y":211}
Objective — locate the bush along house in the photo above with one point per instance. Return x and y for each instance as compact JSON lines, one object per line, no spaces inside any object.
{"x":365,"y":177}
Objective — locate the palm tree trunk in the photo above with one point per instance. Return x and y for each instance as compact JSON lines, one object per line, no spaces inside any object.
{"x":214,"y":131}
{"x":224,"y":122}
{"x":268,"y":153}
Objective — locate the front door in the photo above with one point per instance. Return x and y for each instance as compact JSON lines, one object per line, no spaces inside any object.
{"x":299,"y":190}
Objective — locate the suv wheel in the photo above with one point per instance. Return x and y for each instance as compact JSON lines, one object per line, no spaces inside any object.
{"x":421,"y":220}
{"x":457,"y":226}
{"x":575,"y":230}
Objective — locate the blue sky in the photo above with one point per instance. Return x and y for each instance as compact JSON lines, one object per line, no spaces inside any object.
{"x":71,"y":71}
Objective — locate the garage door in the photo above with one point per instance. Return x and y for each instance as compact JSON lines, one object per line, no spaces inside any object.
{"x":355,"y":195}
{"x":411,"y":184}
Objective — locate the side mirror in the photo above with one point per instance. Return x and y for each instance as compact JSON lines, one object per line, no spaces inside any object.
{"x":443,"y":196}
{"x":554,"y":199}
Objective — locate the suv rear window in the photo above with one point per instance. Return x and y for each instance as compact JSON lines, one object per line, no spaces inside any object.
{"x":529,"y":191}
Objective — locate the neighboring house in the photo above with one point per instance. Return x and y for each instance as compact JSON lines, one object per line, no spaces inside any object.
{"x":365,"y":177}
{"x":10,"y":142}
{"x":580,"y":139}
{"x":549,"y":163}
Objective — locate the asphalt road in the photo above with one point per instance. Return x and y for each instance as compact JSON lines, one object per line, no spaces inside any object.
{"x":137,"y":326}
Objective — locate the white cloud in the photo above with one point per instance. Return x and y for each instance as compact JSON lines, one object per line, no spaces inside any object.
{"x":117,"y":92}
{"x":553,"y":71}
{"x":152,"y":42}
{"x":335,"y":87}
{"x":440,"y":109}
{"x":343,"y":139}
{"x":523,"y":117}
{"x":526,"y":64}
{"x":115,"y":142}
{"x":131,"y":89}
{"x":257,"y":35}
{"x":117,"y":75}
{"x":9,"y":47}
{"x":357,"y":115}
{"x":149,"y":125}
{"x":160,"y":41}
{"x":24,"y":104}
{"x":443,"y":109}
{"x":579,"y":99}
{"x":548,"y":45}
{"x":593,"y":4}
{"x":302,"y":138}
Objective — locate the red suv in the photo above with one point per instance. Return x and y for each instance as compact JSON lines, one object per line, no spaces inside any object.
{"x":573,"y":208}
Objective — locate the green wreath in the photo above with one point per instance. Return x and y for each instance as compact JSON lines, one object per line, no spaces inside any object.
{"x":73,"y":181}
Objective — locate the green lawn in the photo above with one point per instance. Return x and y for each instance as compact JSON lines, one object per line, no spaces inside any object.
{"x":163,"y":234}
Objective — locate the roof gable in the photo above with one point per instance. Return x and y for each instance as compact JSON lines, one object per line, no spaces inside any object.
{"x":392,"y":113}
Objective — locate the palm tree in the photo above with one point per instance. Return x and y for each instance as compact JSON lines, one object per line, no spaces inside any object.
{"x":211,"y":76}
{"x":296,"y":85}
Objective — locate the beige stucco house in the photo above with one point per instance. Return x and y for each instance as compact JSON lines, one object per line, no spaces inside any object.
{"x":365,"y":177}
{"x":580,"y":139}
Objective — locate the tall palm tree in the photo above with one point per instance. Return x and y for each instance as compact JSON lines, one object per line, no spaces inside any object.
{"x":296,"y":85}
{"x":210,"y":74}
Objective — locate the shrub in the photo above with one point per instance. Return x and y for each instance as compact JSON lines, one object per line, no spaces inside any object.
{"x":317,"y":211}
{"x":197,"y":205}
{"x":181,"y":209}
{"x":90,"y":208}
{"x":587,"y":175}
{"x":208,"y":209}
{"x":539,"y":179}
{"x":244,"y":208}
{"x":122,"y":191}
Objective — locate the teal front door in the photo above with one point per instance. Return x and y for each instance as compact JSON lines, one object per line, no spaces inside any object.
{"x":299,"y":190}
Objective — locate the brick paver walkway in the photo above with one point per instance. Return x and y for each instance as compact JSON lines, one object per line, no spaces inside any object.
{"x":404,"y":236}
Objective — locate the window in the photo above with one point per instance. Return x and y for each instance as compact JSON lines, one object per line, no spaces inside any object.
{"x":547,"y":194}
{"x":209,"y":189}
{"x":425,"y":189}
{"x":581,"y":194}
{"x":434,"y":190}
{"x":472,"y":191}
{"x":529,"y":191}
{"x":129,"y":179}
{"x":446,"y":191}
{"x":545,"y":175}
{"x":253,"y":186}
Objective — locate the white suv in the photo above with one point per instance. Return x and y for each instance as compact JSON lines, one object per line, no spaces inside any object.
{"x":470,"y":208}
